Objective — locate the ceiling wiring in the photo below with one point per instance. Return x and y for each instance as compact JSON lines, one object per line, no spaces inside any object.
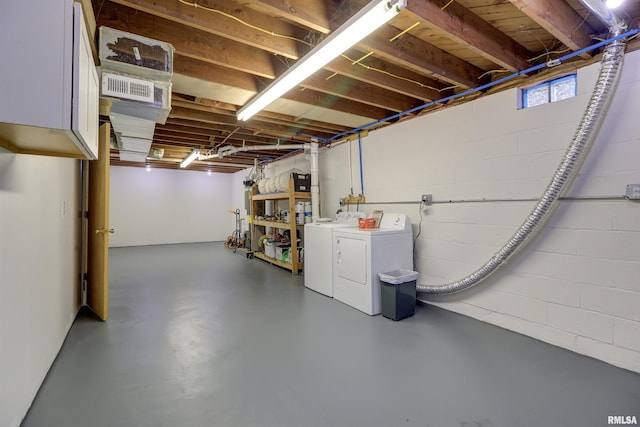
{"x":362,"y":58}
{"x":359,"y":61}
{"x":551,"y":52}
{"x":402,"y":33}
{"x":245,"y":23}
{"x":446,"y":5}
{"x":378,"y":70}
{"x":353,"y":61}
{"x":502,"y":70}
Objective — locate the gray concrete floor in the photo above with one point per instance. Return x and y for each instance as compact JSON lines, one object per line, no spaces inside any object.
{"x":199,"y":336}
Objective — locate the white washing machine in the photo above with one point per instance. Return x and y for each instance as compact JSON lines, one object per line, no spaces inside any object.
{"x":359,"y":255}
{"x":318,"y":252}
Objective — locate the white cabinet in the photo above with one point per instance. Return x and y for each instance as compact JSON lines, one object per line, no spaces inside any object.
{"x":49,"y":100}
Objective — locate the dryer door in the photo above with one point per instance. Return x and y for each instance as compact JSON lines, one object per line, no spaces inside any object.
{"x":351,"y":259}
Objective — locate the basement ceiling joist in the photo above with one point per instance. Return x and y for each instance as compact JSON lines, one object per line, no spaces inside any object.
{"x":226,"y":51}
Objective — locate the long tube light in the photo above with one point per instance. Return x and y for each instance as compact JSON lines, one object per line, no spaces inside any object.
{"x":363,"y":23}
{"x":190,"y":158}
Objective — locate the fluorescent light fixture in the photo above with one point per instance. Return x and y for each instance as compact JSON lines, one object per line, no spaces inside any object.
{"x":612,"y":4}
{"x":363,"y":23}
{"x":190,"y":158}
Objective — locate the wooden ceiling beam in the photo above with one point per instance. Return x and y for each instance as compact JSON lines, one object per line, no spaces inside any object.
{"x":201,"y":107}
{"x":324,"y":100}
{"x":217,"y":166}
{"x":415,"y":54}
{"x":343,"y":87}
{"x":243,"y":134}
{"x":559,"y":19}
{"x":216,"y":74}
{"x":238,"y":138}
{"x":220,"y":24}
{"x":167,"y":134}
{"x":202,"y":46}
{"x":277,"y":131}
{"x":465,"y":27}
{"x":213,"y":73}
{"x":202,"y":116}
{"x":195,"y":124}
{"x":217,"y":104}
{"x":314,"y":124}
{"x":447,"y":67}
{"x":309,"y":14}
{"x":421,"y":57}
{"x":347,"y":88}
{"x":387,"y":76}
{"x":187,"y":130}
{"x":203,"y":104}
{"x":178,"y":142}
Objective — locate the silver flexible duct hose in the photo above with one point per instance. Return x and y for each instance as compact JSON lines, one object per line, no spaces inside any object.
{"x":592,"y":118}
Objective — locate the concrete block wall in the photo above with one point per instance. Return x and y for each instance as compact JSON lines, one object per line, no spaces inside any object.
{"x":576,"y":284}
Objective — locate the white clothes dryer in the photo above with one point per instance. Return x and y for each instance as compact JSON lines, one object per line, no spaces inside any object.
{"x":318,"y":252}
{"x":359,"y":255}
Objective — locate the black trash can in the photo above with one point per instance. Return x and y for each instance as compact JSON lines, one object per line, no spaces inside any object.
{"x":398,"y":293}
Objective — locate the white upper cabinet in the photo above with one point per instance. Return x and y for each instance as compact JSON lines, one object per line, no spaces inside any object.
{"x":49,"y":100}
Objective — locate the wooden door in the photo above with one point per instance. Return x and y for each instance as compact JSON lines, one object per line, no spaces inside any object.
{"x":98,"y":234}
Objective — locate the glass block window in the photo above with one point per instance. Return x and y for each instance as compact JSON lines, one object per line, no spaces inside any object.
{"x":550,"y":91}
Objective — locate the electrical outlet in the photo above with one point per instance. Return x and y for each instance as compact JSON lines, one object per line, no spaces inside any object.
{"x":633,"y":191}
{"x":427,"y":199}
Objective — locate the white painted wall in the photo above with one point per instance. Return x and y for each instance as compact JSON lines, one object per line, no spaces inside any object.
{"x":165,"y":206}
{"x":39,"y":272}
{"x":576,"y":285}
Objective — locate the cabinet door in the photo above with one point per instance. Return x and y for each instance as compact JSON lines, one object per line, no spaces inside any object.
{"x":36,"y":63}
{"x":351,"y":259}
{"x":85,"y":97}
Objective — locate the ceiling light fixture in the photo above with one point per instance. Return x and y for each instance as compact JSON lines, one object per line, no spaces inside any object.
{"x":190,"y":158}
{"x":612,"y":4}
{"x":363,"y":23}
{"x":148,"y":167}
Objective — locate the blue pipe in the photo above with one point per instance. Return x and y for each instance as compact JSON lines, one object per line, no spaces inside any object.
{"x":485,"y":86}
{"x":361,"y":173}
{"x":465,"y":93}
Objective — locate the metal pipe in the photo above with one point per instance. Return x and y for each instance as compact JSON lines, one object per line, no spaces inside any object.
{"x":577,"y":151}
{"x":606,"y":15}
{"x":459,"y":201}
{"x":315,"y":188}
{"x":314,"y":154}
{"x":231,"y":149}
